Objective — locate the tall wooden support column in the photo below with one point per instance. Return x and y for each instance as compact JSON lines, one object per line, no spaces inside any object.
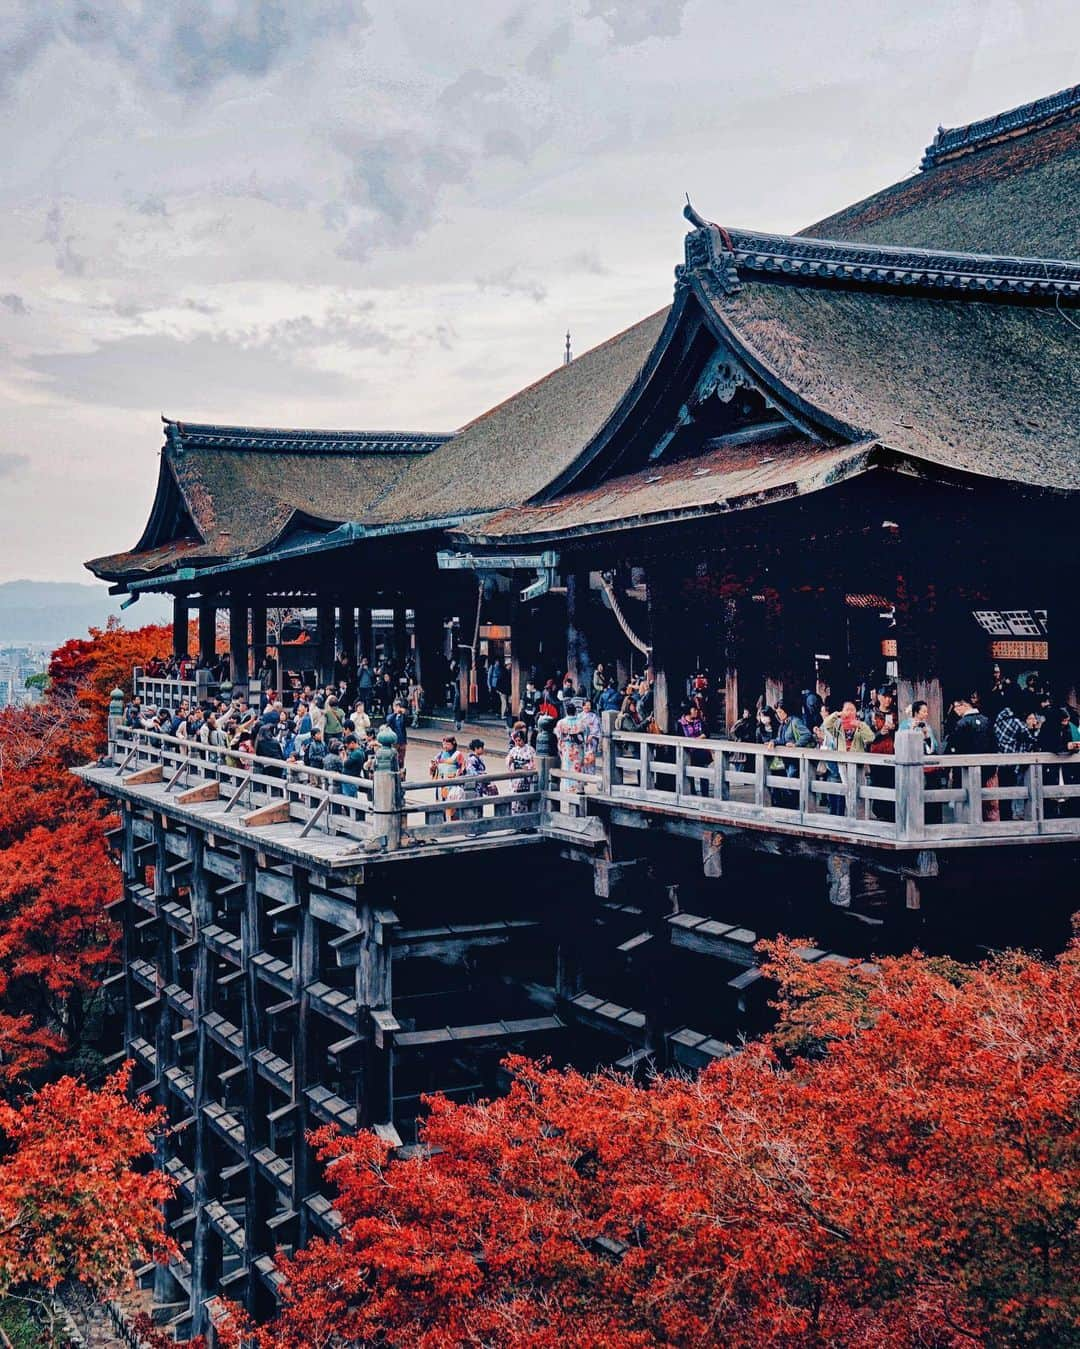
{"x":659,"y":633}
{"x":305,"y":1068}
{"x":430,"y":666}
{"x":258,"y":635}
{"x":375,"y":1084}
{"x":579,"y":664}
{"x":164,"y":1046}
{"x":207,"y":631}
{"x":256,"y":1208}
{"x":401,"y":635}
{"x":238,"y":641}
{"x":347,"y":618}
{"x":731,"y":652}
{"x":367,"y":634}
{"x":918,"y":644}
{"x":205,"y":1249}
{"x":325,"y":614}
{"x":518,"y":675}
{"x":180,"y":625}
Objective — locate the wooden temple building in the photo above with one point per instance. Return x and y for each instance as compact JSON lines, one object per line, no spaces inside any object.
{"x":842,"y":455}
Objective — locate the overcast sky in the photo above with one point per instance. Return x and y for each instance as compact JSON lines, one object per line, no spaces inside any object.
{"x":385,"y":213}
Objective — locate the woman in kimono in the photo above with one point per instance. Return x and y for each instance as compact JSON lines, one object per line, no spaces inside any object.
{"x":448,"y":763}
{"x":571,"y":736}
{"x":592,"y":735}
{"x":521,"y":758}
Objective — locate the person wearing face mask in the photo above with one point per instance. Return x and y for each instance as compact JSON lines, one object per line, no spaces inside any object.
{"x":845,"y":733}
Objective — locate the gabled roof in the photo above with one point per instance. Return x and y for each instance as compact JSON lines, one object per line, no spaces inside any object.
{"x":514,"y":450}
{"x":239,"y":490}
{"x":1008,"y":184}
{"x":913,"y":358}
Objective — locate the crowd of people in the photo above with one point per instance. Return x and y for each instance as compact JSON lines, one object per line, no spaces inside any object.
{"x":333,"y":727}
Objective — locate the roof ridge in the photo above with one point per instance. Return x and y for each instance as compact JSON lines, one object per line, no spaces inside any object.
{"x":950,"y":142}
{"x":182,"y":435}
{"x":731,"y":252}
{"x":560,"y":369}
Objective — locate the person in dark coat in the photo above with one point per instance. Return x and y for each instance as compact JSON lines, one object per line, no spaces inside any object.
{"x":973,"y":733}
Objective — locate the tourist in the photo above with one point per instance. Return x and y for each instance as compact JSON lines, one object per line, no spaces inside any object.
{"x":610,"y":698}
{"x":353,"y":765}
{"x":791,"y":732}
{"x":530,"y":707}
{"x":359,"y":720}
{"x":398,"y":722}
{"x":884,"y":742}
{"x":334,"y":721}
{"x":593,"y":731}
{"x":448,"y":764}
{"x":845,"y":733}
{"x":690,"y":726}
{"x":267,"y":747}
{"x":415,"y":699}
{"x":974,"y":734}
{"x":521,"y":758}
{"x":571,"y":737}
{"x":314,"y":751}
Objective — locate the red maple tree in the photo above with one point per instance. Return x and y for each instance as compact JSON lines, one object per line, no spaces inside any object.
{"x":72,"y":1203}
{"x":910,"y":1177}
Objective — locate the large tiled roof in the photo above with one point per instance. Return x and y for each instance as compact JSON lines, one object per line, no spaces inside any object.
{"x":1008,"y":184}
{"x":240,"y":488}
{"x":513,"y":451}
{"x":983,"y":385}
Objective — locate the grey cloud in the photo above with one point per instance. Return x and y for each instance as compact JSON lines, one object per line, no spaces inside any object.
{"x":190,"y":47}
{"x":14,"y":304}
{"x":511,"y":281}
{"x":586,"y":260}
{"x":632,"y":21}
{"x":12,"y":462}
{"x":67,"y":259}
{"x":151,"y":204}
{"x":540,"y":62}
{"x":470,"y":85}
{"x":338,"y":328}
{"x":394,"y":183}
{"x":202,"y":378}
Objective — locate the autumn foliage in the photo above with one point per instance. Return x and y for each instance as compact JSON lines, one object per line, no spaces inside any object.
{"x":76,"y":1198}
{"x":72,"y":1203}
{"x":909,"y":1177}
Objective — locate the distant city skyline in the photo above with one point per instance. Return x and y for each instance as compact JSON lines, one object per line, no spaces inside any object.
{"x":351,"y":214}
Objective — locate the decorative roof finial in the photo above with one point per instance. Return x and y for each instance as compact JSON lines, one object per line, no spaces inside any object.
{"x":698,"y":221}
{"x":567,"y":354}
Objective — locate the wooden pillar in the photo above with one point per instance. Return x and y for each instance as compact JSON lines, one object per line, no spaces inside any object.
{"x":367,"y":635}
{"x":579,"y":664}
{"x":659,"y":632}
{"x":518,"y":676}
{"x":348,"y":635}
{"x":325,"y":664}
{"x":375,"y":1084}
{"x":258,"y":635}
{"x":256,"y":1208}
{"x":921,"y":634}
{"x":180,"y":625}
{"x":205,"y":1248}
{"x":430,"y":665}
{"x":305,"y":1068}
{"x":207,"y":631}
{"x":238,"y":641}
{"x":401,"y":635}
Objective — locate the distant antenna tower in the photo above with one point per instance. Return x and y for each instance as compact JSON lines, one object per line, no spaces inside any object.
{"x":567,"y":354}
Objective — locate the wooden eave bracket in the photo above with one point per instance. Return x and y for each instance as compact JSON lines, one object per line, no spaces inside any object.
{"x":206,"y":791}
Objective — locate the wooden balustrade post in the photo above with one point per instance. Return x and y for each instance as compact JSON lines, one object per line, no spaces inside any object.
{"x":607,"y":749}
{"x":386,"y":794}
{"x":544,"y":749}
{"x":910,"y":785}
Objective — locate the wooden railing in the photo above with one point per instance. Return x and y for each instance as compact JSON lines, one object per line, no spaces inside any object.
{"x":170,"y":693}
{"x":382,"y":810}
{"x":907,"y":797}
{"x":336,"y":803}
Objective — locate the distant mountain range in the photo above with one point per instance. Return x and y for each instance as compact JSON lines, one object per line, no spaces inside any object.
{"x":52,"y":611}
